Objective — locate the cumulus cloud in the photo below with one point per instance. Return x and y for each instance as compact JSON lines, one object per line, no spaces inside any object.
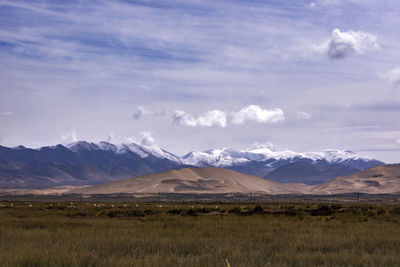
{"x":141,"y":111}
{"x":343,"y":44}
{"x":70,"y":135}
{"x":147,"y":139}
{"x":210,"y":118}
{"x":301,"y":115}
{"x":269,"y":145}
{"x":249,"y":114}
{"x":392,"y":76}
{"x":254,"y":113}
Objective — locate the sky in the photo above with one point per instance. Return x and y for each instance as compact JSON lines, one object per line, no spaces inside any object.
{"x":302,"y":75}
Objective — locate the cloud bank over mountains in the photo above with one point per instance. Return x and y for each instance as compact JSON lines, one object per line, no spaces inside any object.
{"x":248,"y":114}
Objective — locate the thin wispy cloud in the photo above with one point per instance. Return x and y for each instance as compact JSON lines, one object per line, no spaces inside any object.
{"x":324,"y":3}
{"x":70,"y":136}
{"x":302,"y":115}
{"x":142,"y":111}
{"x":6,"y":113}
{"x":261,"y":145}
{"x":393,"y":76}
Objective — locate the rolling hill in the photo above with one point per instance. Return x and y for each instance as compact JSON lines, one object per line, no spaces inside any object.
{"x":379,"y":180}
{"x":194,"y":180}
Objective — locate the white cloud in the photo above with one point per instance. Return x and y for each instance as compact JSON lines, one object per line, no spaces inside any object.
{"x":301,"y":115}
{"x":140,"y":111}
{"x":70,"y":135}
{"x":343,"y":44}
{"x":398,"y":141}
{"x":344,"y":104}
{"x":269,"y":145}
{"x":111,"y":138}
{"x":210,"y":118}
{"x":254,"y":113}
{"x":392,"y":76}
{"x":147,"y":139}
{"x":130,"y":139}
{"x":249,"y":114}
{"x":324,"y":3}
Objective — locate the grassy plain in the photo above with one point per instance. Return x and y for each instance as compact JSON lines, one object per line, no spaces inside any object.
{"x":199,"y":234}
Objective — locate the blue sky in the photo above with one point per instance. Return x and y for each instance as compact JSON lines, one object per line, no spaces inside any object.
{"x":303,"y":75}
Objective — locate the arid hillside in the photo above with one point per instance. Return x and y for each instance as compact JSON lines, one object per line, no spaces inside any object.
{"x":379,"y":180}
{"x":195,"y":180}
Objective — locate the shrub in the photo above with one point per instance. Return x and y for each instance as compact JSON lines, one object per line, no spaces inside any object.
{"x":235,"y":210}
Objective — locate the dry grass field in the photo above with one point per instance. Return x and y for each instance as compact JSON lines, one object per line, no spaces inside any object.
{"x":199,"y":234}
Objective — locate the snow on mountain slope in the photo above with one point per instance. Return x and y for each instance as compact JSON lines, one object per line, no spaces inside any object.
{"x":143,"y":151}
{"x":226,"y":157}
{"x":88,"y":162}
{"x":82,"y":146}
{"x":229,"y":157}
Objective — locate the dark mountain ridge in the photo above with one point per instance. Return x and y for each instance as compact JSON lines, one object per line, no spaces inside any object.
{"x":86,"y":163}
{"x":58,"y":165}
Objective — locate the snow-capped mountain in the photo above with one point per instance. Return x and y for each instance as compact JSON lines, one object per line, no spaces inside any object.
{"x":81,"y":163}
{"x":284,"y":166}
{"x":122,"y":148}
{"x":228,"y":157}
{"x":85,"y":163}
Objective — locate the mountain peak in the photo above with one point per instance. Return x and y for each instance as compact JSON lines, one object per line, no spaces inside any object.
{"x":59,"y":146}
{"x":18,"y":147}
{"x":144,"y":151}
{"x":103,"y":145}
{"x":79,"y":146}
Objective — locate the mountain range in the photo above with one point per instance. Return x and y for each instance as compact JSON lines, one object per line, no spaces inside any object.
{"x":87,"y":163}
{"x":284,"y":166}
{"x":80,"y":163}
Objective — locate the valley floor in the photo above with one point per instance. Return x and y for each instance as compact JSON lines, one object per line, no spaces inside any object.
{"x":198,"y":234}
